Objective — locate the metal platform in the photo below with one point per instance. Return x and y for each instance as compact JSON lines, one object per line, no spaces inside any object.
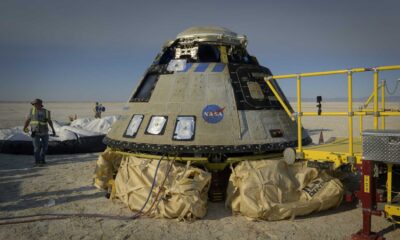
{"x":336,"y":152}
{"x":343,"y":151}
{"x":379,"y":147}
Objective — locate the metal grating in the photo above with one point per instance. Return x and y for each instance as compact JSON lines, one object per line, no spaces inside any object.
{"x":381,"y":145}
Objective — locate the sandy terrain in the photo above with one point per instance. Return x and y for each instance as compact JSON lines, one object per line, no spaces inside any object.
{"x":67,"y":179}
{"x":13,"y":114}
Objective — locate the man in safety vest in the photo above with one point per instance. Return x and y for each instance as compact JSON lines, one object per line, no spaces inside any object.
{"x":38,"y":118}
{"x":98,"y":109}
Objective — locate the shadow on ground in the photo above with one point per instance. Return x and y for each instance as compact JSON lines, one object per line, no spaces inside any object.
{"x":41,"y":199}
{"x":217,"y":211}
{"x":60,"y":159}
{"x":388,"y":229}
{"x":342,"y":208}
{"x":13,"y":164}
{"x":316,"y":131}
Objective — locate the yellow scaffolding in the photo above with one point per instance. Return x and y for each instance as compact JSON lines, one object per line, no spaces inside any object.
{"x":335,"y":152}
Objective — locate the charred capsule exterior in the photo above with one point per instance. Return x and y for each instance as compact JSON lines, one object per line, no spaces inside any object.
{"x":204,"y":94}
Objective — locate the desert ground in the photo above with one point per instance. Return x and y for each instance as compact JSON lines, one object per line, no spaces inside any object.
{"x":65,"y":185}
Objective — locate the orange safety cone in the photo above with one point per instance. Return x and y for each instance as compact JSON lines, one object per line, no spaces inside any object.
{"x":321,"y":138}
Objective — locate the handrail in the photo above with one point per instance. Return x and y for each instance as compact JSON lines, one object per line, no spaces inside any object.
{"x":336,"y":72}
{"x":280,"y":99}
{"x":376,"y":112}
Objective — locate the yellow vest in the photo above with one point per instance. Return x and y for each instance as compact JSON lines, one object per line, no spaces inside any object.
{"x":39,"y":119}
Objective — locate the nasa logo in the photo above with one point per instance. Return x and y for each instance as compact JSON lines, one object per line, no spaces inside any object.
{"x":213,"y":113}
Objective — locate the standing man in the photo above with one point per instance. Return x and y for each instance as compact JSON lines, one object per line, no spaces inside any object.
{"x":97,"y":110}
{"x":38,"y":118}
{"x":101,"y":109}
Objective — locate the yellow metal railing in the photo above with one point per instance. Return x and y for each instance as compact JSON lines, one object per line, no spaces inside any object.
{"x":365,"y":109}
{"x":375,"y":112}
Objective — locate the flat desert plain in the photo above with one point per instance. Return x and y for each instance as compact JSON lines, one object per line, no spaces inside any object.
{"x":65,"y":185}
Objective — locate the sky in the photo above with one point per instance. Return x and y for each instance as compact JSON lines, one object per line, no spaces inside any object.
{"x":96,"y":50}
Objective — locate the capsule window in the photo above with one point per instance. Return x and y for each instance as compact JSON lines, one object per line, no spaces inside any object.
{"x":166,"y":56}
{"x":133,"y":126}
{"x":145,"y":89}
{"x":208,"y":53}
{"x":185,"y":127}
{"x":255,"y":90}
{"x":157,"y":125}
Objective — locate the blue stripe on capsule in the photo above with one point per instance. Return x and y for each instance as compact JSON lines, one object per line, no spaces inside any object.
{"x":201,"y":67}
{"x":219,"y":67}
{"x":187,"y":67}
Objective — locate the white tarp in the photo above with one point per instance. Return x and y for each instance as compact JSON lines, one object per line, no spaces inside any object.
{"x":82,"y":127}
{"x":97,"y":125}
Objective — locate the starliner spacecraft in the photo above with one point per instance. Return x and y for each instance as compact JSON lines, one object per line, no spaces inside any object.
{"x":204,"y":96}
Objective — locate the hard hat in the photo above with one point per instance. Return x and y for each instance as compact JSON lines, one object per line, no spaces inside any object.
{"x":37,"y":101}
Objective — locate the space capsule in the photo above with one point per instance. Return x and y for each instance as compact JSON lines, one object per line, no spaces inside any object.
{"x":204,"y":96}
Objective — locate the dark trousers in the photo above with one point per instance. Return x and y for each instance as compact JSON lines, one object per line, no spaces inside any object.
{"x":40,"y":144}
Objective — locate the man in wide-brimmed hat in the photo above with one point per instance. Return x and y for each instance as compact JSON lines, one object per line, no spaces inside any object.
{"x":38,"y":118}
